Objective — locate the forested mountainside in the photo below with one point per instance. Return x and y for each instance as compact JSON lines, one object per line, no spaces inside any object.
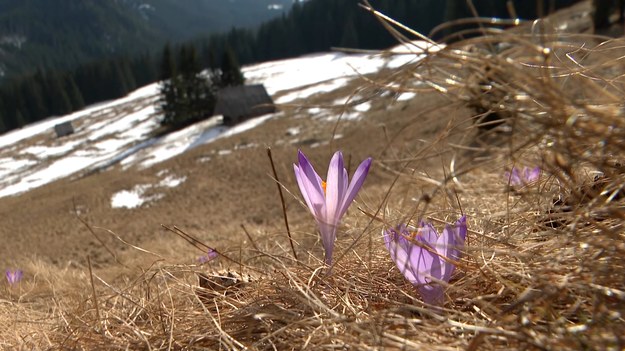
{"x":60,"y":34}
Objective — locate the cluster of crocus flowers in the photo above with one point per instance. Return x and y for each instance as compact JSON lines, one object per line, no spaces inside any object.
{"x":328,"y":200}
{"x":425,"y":258}
{"x":522,"y":178}
{"x":13,"y":277}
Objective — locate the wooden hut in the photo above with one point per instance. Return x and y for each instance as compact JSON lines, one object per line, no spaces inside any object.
{"x":64,"y":129}
{"x":239,"y":103}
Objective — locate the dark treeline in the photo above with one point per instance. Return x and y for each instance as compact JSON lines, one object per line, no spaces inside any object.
{"x":312,"y":26}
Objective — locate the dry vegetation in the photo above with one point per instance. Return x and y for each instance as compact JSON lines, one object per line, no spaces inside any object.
{"x":543,"y":267}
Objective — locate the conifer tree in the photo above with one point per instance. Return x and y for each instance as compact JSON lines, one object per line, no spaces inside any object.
{"x":188,"y":95}
{"x":32,"y":92}
{"x":168,"y":91}
{"x":230,"y":72}
{"x":349,"y":37}
{"x":75,"y":97}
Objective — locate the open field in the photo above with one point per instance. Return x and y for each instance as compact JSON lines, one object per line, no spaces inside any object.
{"x":541,"y":269}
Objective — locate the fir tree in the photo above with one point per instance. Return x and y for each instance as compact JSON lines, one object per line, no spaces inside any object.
{"x":188,"y":96}
{"x":168,"y":90}
{"x":75,"y":97}
{"x":230,"y":71}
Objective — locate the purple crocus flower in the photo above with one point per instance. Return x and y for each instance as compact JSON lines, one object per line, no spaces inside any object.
{"x":14,"y":277}
{"x":209,"y":256}
{"x":424,"y":257}
{"x":328,"y":200}
{"x":527,"y":176}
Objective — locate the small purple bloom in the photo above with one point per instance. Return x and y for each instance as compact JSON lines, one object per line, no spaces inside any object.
{"x":13,"y":277}
{"x":424,"y":257}
{"x":526,"y":177}
{"x":328,"y":201}
{"x":209,"y":256}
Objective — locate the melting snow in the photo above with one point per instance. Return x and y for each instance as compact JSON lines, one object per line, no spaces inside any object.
{"x":292,"y":131}
{"x":316,"y":89}
{"x":136,"y":196}
{"x":128,"y":198}
{"x":406,"y":96}
{"x":172,"y":181}
{"x":119,"y":130}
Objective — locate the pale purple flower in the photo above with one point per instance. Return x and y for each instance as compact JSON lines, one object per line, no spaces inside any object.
{"x":525,"y":177}
{"x":328,"y":200}
{"x":14,"y":277}
{"x":209,"y":256}
{"x":424,"y":257}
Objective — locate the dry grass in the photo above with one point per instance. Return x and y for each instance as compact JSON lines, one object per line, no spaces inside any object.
{"x":543,"y":268}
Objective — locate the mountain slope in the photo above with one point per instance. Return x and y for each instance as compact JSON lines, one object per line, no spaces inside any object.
{"x":63,"y":33}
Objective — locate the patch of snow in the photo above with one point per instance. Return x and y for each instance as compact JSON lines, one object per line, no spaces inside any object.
{"x":128,"y":198}
{"x":364,"y":107}
{"x":406,"y":96}
{"x":317,"y":144}
{"x":57,"y":170}
{"x":172,"y":181}
{"x":10,"y":165}
{"x":41,"y":151}
{"x":189,"y":138}
{"x":122,"y":124}
{"x":293,"y":131}
{"x":317,"y":68}
{"x":111,"y":145}
{"x":245,"y":146}
{"x":136,"y":196}
{"x":315,"y":89}
{"x":224,"y":152}
{"x":351,"y":116}
{"x":175,"y":143}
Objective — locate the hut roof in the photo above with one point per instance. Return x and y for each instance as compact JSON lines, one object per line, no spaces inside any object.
{"x":243,"y":101}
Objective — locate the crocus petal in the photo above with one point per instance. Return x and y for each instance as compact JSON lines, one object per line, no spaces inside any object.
{"x":533,"y":175}
{"x":336,"y":185}
{"x":446,"y":247}
{"x":309,"y":173}
{"x":449,"y":245}
{"x":357,"y":181}
{"x":413,"y":261}
{"x":515,"y":178}
{"x":461,"y":230}
{"x":314,"y":199}
{"x":309,"y":184}
{"x":427,"y":233}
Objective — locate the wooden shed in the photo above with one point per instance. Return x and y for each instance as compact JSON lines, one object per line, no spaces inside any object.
{"x":239,"y":103}
{"x":64,"y":129}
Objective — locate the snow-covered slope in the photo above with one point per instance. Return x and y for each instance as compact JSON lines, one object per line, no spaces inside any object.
{"x":119,"y":131}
